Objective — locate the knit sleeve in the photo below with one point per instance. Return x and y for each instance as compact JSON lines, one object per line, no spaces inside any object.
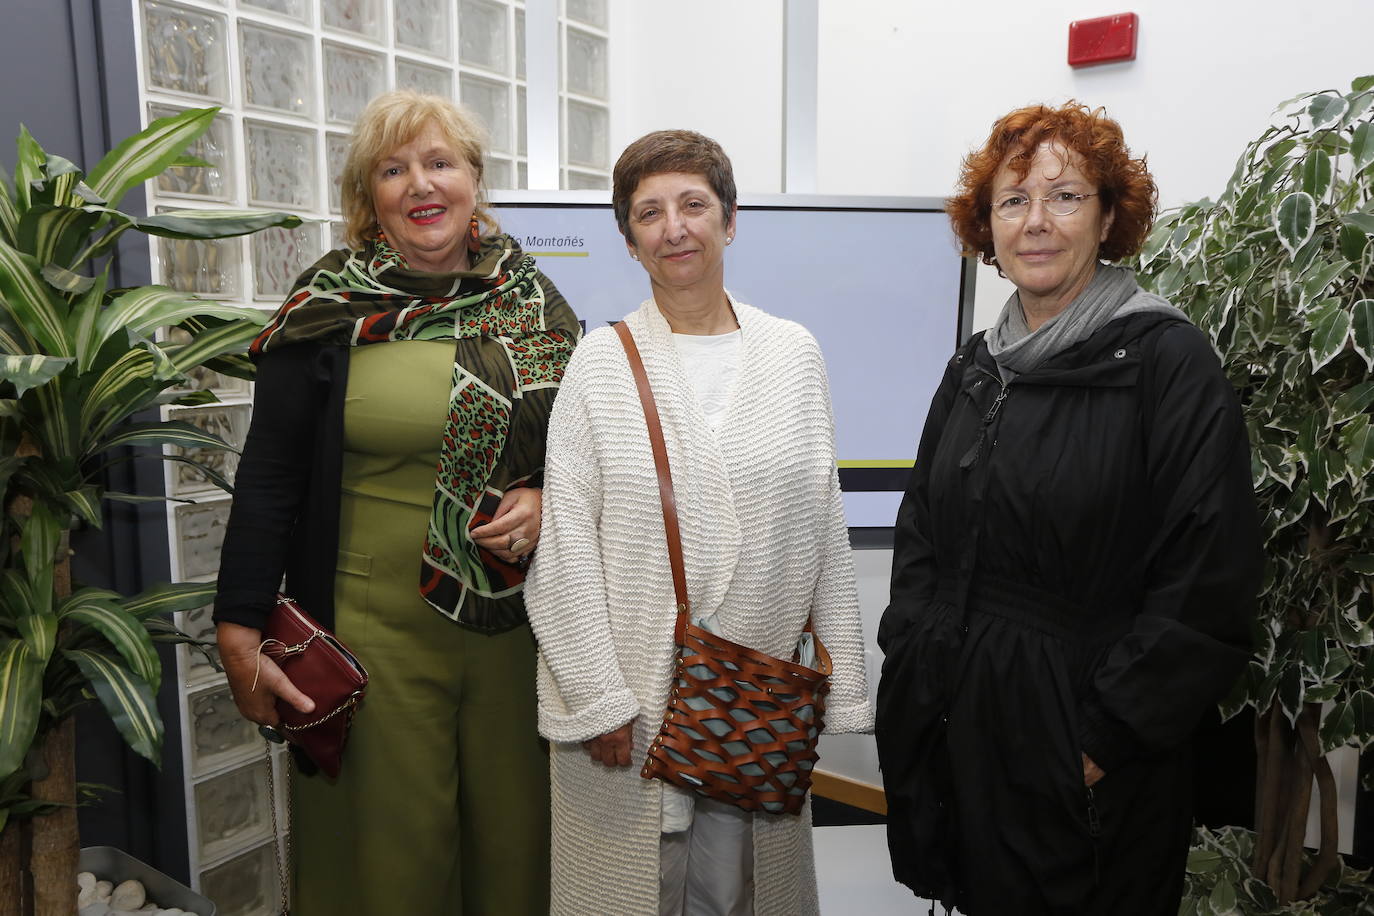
{"x":582,"y":690}
{"x":835,"y":601}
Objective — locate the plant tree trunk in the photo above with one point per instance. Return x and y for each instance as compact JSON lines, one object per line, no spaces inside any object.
{"x":42,"y":854}
{"x":12,"y":875}
{"x":56,"y":847}
{"x":1269,"y":744}
{"x":1290,"y":760}
{"x":56,"y":852}
{"x":1286,"y":877}
{"x":1328,"y":817}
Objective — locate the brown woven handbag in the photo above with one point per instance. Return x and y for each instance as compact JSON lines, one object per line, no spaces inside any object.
{"x":741,"y":726}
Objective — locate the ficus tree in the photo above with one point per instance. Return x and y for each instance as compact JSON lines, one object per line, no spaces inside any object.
{"x":81,"y":366}
{"x":1277,"y":272}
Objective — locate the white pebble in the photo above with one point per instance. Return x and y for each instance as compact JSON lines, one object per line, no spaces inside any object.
{"x":99,"y":908}
{"x":85,"y":883}
{"x":103,"y":890}
{"x":129,"y":896}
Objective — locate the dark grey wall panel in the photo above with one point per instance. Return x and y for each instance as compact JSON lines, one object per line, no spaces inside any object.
{"x":39,"y":74}
{"x":69,"y":73}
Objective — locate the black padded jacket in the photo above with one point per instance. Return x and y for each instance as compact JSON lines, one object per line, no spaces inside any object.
{"x":1076,"y":563}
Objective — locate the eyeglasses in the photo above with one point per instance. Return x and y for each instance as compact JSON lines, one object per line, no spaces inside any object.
{"x":1060,"y":203}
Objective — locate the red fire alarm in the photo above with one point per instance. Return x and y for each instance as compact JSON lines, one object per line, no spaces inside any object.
{"x":1108,"y":38}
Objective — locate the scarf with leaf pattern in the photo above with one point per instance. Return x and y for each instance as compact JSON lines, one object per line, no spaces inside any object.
{"x":513,"y":334}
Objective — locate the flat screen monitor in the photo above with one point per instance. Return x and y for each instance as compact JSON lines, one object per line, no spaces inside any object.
{"x":878,"y":280}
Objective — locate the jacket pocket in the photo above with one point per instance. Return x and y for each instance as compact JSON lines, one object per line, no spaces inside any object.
{"x":1091,"y":816}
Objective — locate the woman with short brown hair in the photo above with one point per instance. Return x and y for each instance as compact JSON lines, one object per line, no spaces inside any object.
{"x":745,"y":410}
{"x":1076,"y":558}
{"x":664,"y":151}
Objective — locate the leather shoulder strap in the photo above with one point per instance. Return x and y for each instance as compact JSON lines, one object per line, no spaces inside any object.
{"x":665,"y":477}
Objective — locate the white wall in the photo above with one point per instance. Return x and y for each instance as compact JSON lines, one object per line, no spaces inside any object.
{"x":713,"y":66}
{"x":907,"y":88}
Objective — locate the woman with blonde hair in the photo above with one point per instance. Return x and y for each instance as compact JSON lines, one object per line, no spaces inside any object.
{"x":393,"y":473}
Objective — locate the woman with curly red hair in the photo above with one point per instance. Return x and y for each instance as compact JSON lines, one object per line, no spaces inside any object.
{"x":1076,"y":558}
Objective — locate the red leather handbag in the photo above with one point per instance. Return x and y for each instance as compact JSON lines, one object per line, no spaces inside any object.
{"x":323,"y":669}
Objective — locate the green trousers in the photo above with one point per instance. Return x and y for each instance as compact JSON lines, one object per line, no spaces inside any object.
{"x":442,"y":806}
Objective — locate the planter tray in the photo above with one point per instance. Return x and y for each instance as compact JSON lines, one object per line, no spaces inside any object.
{"x":112,"y":864}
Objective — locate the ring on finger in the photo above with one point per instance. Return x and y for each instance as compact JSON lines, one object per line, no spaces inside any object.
{"x":519,"y":544}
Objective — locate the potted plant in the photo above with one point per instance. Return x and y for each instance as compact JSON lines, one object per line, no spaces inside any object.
{"x":1279,"y":272}
{"x":78,"y":361}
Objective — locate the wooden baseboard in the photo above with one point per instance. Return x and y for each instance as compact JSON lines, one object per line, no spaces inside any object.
{"x":849,"y":792}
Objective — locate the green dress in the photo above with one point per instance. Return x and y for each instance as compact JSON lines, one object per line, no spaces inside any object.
{"x":442,"y":806}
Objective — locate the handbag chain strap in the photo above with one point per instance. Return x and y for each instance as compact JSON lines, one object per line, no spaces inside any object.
{"x":276,"y":831}
{"x":345,"y":707}
{"x":665,"y":479}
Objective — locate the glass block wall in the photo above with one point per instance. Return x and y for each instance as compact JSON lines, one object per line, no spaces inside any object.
{"x":290,"y":77}
{"x":584,"y":128}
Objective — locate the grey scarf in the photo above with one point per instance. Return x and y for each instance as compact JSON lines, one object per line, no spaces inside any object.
{"x":1111,"y":293}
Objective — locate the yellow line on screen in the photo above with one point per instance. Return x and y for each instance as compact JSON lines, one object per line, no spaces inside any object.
{"x":560,"y":254}
{"x":877,"y":463}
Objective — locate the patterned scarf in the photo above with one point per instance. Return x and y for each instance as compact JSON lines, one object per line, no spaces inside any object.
{"x":372,"y":296}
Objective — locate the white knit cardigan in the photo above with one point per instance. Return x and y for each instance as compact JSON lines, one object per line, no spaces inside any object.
{"x":764,"y":543}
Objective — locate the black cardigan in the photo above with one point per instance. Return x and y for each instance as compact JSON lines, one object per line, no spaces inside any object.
{"x":285,"y":517}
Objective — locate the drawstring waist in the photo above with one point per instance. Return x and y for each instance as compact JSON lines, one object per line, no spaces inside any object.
{"x":1033,"y":606}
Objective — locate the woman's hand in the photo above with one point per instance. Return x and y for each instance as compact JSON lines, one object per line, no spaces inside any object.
{"x":612,"y":748}
{"x":1091,"y":772}
{"x":238,"y":652}
{"x":514,"y":525}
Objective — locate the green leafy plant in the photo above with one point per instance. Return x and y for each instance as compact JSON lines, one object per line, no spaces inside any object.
{"x":1219,"y":882}
{"x":78,"y":361}
{"x":1277,"y":271}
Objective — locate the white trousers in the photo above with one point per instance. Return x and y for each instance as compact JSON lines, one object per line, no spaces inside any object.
{"x":708,"y":869}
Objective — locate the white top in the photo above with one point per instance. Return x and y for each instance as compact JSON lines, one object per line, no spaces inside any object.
{"x":711,"y":364}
